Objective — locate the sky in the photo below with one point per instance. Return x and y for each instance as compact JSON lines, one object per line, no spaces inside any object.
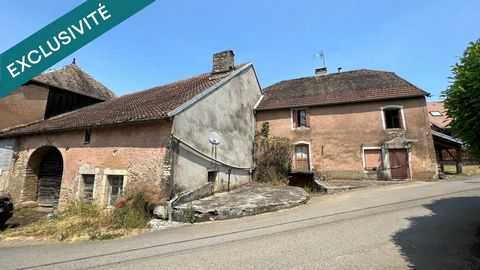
{"x":419,"y":40}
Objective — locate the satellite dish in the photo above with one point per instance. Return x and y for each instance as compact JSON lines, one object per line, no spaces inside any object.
{"x":214,"y":138}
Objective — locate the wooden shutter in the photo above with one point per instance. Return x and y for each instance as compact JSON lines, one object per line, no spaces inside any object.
{"x":373,"y":159}
{"x":295,"y":118}
{"x":308,"y":117}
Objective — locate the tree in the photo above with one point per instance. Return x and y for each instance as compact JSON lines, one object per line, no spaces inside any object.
{"x":462,"y":99}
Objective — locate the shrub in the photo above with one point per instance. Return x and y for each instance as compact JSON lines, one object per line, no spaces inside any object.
{"x":273,"y":156}
{"x":190,"y":213}
{"x":133,"y":209}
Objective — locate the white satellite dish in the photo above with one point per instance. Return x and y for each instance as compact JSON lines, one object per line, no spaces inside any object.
{"x":214,"y":138}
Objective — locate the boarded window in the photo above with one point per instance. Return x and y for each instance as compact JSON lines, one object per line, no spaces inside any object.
{"x":302,"y":157}
{"x":300,"y":118}
{"x":88,"y":186}
{"x":373,"y":159}
{"x":116,"y":187}
{"x":393,"y":118}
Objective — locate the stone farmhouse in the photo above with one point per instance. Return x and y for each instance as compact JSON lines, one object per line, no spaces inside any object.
{"x":361,"y":124}
{"x":50,"y":94}
{"x":178,"y":136}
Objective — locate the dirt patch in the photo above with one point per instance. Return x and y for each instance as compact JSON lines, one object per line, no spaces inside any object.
{"x":26,"y":216}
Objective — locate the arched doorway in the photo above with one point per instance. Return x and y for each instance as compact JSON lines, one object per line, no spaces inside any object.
{"x":44,"y":176}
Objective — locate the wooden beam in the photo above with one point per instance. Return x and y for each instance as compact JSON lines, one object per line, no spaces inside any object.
{"x":459,"y":161}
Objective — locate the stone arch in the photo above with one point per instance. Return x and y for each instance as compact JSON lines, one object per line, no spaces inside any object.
{"x":44,"y":176}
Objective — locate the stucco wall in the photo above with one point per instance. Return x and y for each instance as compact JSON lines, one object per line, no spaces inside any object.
{"x":24,"y":105}
{"x":135,"y":151}
{"x":229,"y":112}
{"x":6,"y":156}
{"x":337,"y":134}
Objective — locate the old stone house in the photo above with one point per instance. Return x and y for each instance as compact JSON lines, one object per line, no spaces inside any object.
{"x":178,"y":136}
{"x":361,"y":124}
{"x":50,"y":94}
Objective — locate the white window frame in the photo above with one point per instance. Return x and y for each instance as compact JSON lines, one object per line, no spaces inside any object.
{"x":291,"y":118}
{"x":310,"y":156}
{"x":383,"y":156}
{"x":382,"y":111}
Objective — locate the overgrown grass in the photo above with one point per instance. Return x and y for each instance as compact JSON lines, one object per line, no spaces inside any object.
{"x":468,"y":170}
{"x":87,"y":221}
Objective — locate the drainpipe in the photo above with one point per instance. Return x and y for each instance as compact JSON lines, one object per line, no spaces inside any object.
{"x":170,"y":209}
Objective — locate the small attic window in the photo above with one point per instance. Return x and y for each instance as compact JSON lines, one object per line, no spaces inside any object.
{"x":88,"y":134}
{"x":435,"y":113}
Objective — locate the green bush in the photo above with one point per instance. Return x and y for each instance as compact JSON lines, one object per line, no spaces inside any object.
{"x":273,"y":156}
{"x":190,"y":213}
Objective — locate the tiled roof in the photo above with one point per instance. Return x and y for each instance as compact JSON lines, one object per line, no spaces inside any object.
{"x":73,"y":79}
{"x":440,"y":121}
{"x":336,"y":88}
{"x":151,"y":104}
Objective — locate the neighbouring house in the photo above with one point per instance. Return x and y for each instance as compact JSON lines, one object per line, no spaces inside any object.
{"x":449,"y":150}
{"x":178,"y":136}
{"x":50,"y":94}
{"x":361,"y":124}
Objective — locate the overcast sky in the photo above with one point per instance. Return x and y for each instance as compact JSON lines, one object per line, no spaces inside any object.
{"x":172,"y":40}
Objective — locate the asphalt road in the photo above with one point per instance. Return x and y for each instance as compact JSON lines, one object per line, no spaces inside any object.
{"x":415,"y":225}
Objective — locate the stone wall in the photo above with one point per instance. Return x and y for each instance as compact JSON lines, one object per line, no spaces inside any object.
{"x":134,"y":151}
{"x":337,"y":134}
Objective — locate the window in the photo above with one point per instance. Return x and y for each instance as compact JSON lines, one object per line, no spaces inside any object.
{"x":372,"y":159}
{"x":393,"y":118}
{"x":116,"y":188}
{"x":300,"y":118}
{"x":212,"y":176}
{"x":436,"y":113}
{"x":302,"y":157}
{"x":88,"y":186}
{"x":88,"y":134}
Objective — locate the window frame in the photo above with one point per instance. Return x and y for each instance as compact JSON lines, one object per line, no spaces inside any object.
{"x":110,"y":179}
{"x":83,"y":187}
{"x":309,"y":147}
{"x":294,"y":113}
{"x":382,"y":156}
{"x":401,"y":117}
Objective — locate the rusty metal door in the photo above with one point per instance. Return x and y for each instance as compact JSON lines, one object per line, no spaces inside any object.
{"x":50,"y":178}
{"x":399,"y":166}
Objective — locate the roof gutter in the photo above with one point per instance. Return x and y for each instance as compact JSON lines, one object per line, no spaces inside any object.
{"x":197,"y":151}
{"x":207,"y":92}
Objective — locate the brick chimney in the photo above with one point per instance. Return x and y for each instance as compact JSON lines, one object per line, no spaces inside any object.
{"x":223,"y":62}
{"x":321,"y":71}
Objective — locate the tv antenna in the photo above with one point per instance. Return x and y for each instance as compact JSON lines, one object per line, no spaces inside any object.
{"x":321,"y":56}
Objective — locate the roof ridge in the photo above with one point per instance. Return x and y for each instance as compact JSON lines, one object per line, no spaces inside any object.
{"x":330,"y":75}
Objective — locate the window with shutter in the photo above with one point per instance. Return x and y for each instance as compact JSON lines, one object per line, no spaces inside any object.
{"x":300,"y":118}
{"x":372,"y":159}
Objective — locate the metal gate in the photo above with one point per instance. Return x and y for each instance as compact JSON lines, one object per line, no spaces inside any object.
{"x":50,"y":178}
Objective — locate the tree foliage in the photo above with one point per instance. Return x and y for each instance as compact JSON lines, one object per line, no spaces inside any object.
{"x":462,"y":99}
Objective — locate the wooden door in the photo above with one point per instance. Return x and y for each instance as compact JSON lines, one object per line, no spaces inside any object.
{"x":302,"y":158}
{"x":399,"y":166}
{"x":50,"y":178}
